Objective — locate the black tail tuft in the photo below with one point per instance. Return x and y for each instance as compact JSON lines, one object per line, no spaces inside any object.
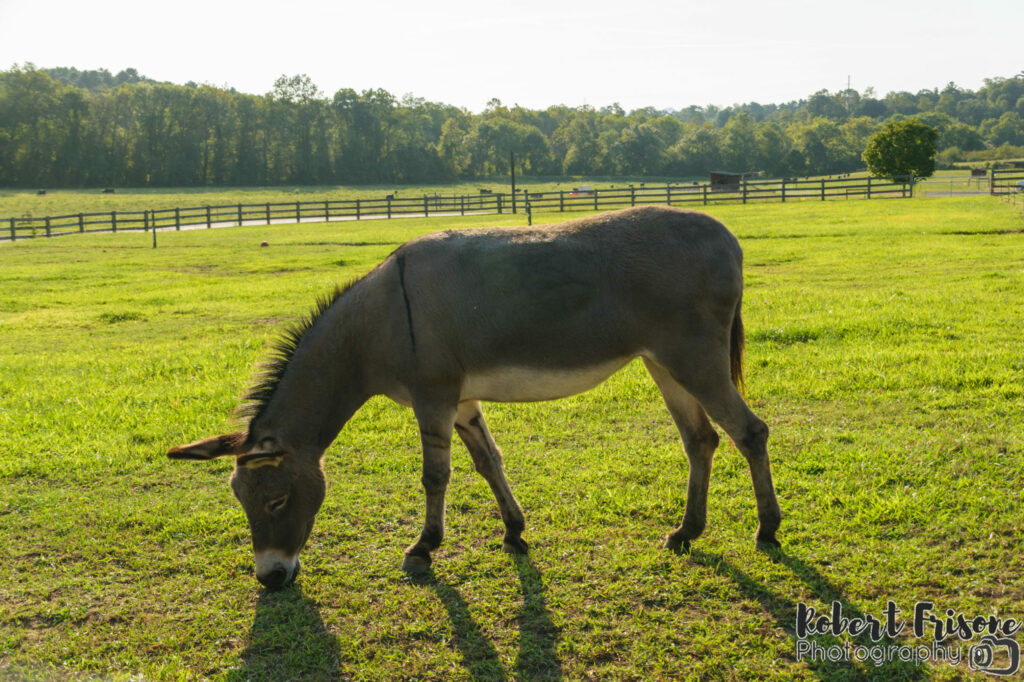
{"x":737,"y":344}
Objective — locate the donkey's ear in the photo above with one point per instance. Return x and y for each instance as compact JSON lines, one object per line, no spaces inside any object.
{"x":226,"y":444}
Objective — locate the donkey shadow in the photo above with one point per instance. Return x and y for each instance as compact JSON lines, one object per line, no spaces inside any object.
{"x":783,"y":610}
{"x":538,"y":636}
{"x":311,"y":651}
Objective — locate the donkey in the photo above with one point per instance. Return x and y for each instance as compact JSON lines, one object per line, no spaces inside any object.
{"x":513,"y":314}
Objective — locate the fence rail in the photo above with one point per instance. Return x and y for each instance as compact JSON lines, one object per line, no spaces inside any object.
{"x":581,"y":199}
{"x":1004,"y":181}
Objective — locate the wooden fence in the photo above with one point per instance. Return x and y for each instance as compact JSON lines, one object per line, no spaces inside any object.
{"x":705,"y":194}
{"x":1004,"y":180}
{"x":581,"y":199}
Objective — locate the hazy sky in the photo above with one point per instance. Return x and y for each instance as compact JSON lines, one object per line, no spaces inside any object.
{"x":665,"y":54}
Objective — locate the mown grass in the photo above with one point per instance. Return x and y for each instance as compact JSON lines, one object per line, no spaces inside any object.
{"x":21,"y":203}
{"x":18,"y":203}
{"x":884,"y":352}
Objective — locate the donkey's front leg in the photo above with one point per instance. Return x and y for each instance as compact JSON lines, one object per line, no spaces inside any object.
{"x":472,"y":428}
{"x":436,"y":421}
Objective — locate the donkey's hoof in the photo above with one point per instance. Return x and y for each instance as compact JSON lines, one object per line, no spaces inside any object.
{"x":677,"y":545}
{"x":416,"y":563}
{"x":766,"y":541}
{"x":514,"y":546}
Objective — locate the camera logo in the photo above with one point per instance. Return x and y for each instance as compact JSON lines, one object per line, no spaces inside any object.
{"x":980,"y":656}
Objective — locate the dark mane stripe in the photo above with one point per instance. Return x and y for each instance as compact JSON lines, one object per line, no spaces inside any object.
{"x":270,"y":372}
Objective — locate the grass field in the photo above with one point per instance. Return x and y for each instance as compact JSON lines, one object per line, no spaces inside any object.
{"x":19,"y":203}
{"x":884,"y":351}
{"x":16,"y":203}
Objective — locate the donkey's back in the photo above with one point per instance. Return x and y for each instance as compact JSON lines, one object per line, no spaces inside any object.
{"x":595,"y":291}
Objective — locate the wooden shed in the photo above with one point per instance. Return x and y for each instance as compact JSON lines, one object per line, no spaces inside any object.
{"x":727,"y":181}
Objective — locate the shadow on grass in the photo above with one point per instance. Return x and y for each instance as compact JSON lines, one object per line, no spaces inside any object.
{"x":784,"y":611}
{"x":289,"y":641}
{"x":538,"y":636}
{"x":479,"y":656}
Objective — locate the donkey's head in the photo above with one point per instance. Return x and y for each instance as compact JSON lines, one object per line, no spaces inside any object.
{"x":280,"y":492}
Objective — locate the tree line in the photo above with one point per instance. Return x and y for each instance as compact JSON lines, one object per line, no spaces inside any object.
{"x":68,"y":128}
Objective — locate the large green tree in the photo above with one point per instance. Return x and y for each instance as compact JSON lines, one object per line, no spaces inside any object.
{"x":905,"y":147}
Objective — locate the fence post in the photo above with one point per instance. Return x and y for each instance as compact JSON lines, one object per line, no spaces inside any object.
{"x":327,"y":210}
{"x":13,"y":238}
{"x":426,"y":207}
{"x":823,"y":190}
{"x":597,"y":193}
{"x":239,"y":215}
{"x":268,"y":212}
{"x":177,"y":219}
{"x":744,"y":190}
{"x":145,"y":220}
{"x":113,"y":220}
{"x":359,"y":210}
{"x":783,"y":190}
{"x":498,"y":197}
{"x":209,"y":220}
{"x":389,"y":207}
{"x":462,"y":204}
{"x":298,"y":212}
{"x":668,"y":194}
{"x":704,"y":189}
{"x":869,"y":187}
{"x":561,"y":200}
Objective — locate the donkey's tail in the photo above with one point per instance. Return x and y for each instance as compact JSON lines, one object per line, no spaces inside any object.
{"x":737,"y":344}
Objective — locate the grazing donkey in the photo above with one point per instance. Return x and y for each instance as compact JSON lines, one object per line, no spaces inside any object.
{"x":455,"y":318}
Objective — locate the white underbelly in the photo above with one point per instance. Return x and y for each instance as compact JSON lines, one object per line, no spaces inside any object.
{"x":529,"y":384}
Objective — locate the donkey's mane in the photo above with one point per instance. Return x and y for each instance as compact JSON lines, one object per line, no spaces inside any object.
{"x":270,"y":372}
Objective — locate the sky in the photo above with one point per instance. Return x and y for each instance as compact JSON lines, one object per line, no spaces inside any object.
{"x":532,"y":53}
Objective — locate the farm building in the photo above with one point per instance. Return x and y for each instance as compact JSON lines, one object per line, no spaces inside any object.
{"x":726,"y":181}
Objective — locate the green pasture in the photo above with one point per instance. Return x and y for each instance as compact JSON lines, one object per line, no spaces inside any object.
{"x":19,"y":203}
{"x":16,"y":203}
{"x":884,"y":351}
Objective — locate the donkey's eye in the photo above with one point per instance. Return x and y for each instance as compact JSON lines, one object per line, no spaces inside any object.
{"x":277,"y":505}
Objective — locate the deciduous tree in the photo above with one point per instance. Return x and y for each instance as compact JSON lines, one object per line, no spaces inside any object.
{"x":901,"y":148}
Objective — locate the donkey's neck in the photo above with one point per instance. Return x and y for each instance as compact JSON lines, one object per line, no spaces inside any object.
{"x":321,"y":386}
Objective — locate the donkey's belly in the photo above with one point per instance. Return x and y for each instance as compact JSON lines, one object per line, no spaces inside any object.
{"x":528,"y":384}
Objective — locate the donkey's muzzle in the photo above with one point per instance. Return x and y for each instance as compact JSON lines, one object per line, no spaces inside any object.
{"x":275,"y":571}
{"x":275,"y":579}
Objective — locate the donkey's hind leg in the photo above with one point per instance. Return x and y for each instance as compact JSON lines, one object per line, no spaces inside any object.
{"x":473,"y":431}
{"x":699,"y":441}
{"x":707,"y":379}
{"x":750,"y":435}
